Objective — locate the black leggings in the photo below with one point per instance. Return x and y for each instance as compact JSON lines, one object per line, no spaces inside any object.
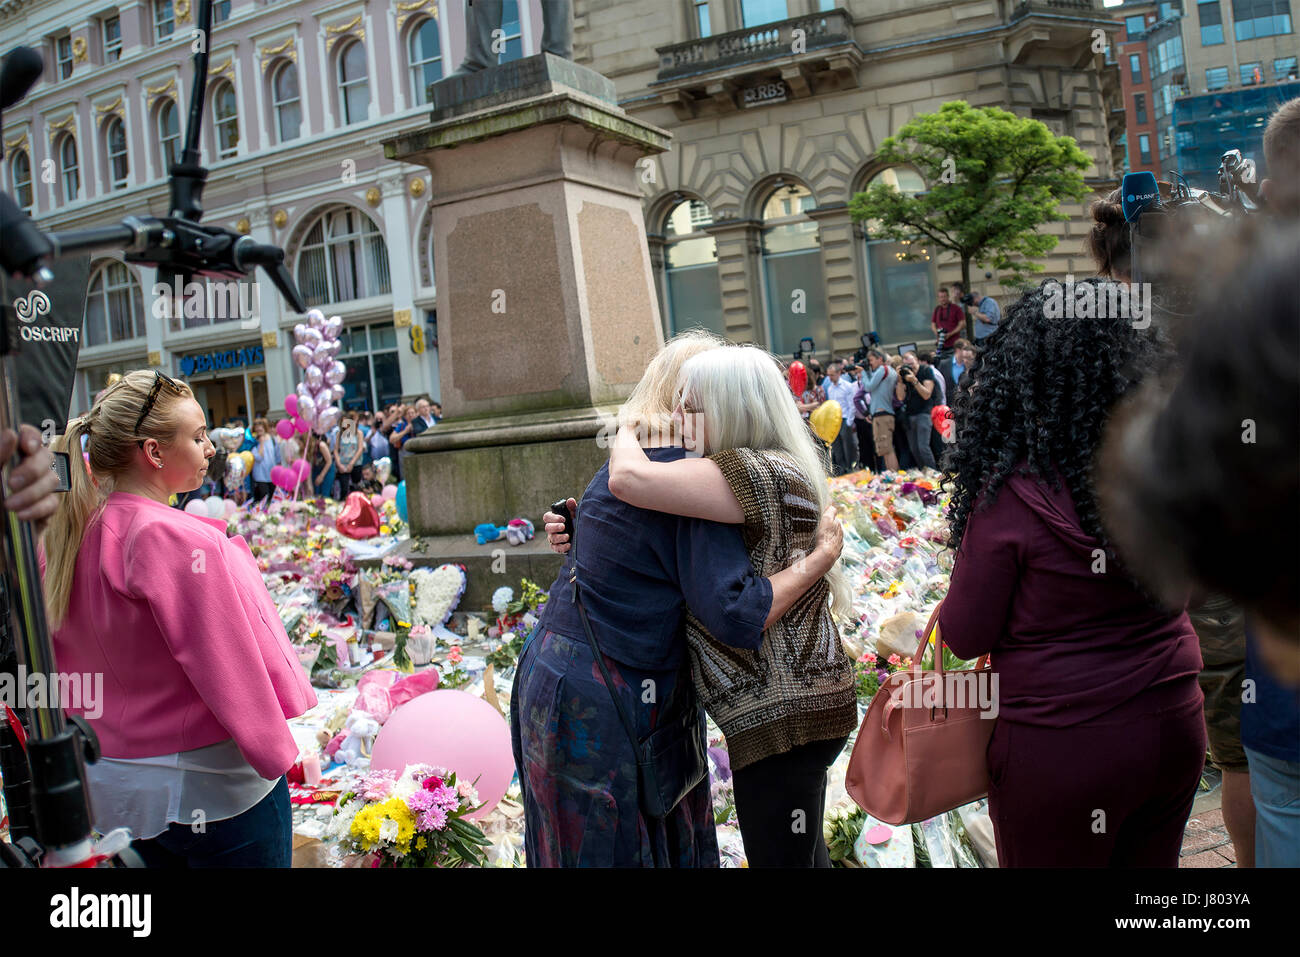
{"x":781,"y":802}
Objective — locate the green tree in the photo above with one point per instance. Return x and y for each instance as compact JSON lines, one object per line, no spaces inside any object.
{"x":994,"y":178}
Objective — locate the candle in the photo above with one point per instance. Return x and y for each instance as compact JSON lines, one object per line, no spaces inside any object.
{"x":311,"y":769}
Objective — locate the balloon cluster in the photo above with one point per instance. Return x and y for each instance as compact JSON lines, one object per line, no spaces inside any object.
{"x":314,"y":404}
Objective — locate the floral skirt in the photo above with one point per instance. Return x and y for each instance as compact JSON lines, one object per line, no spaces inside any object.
{"x":577,"y":767}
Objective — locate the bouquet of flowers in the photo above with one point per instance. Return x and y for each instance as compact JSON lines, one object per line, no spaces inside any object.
{"x":871,"y":673}
{"x":412,"y":819}
{"x":450,"y":673}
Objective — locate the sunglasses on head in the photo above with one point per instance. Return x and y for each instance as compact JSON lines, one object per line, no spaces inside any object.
{"x":158,"y":380}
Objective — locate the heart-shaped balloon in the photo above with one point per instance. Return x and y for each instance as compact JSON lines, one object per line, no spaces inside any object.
{"x":359,"y":518}
{"x":383,"y":469}
{"x":321,"y":357}
{"x":315,"y":318}
{"x":313,"y":377}
{"x":307,"y":409}
{"x":333,"y":326}
{"x":337,"y":373}
{"x":300,"y":332}
{"x":235,"y":471}
{"x":233,"y":440}
{"x":302,"y":355}
{"x":337,"y":392}
{"x":311,"y":337}
{"x":300,"y":424}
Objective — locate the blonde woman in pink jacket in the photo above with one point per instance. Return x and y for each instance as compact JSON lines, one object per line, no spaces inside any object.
{"x":198,"y":674}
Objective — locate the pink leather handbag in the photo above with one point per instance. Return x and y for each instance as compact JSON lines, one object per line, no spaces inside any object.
{"x":921,"y":748}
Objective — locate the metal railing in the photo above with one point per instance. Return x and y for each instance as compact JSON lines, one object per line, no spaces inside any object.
{"x":819,"y":30}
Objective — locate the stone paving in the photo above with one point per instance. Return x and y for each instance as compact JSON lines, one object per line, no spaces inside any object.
{"x":1205,"y":841}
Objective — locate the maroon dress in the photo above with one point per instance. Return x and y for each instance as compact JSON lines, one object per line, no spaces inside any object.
{"x":1100,"y":739}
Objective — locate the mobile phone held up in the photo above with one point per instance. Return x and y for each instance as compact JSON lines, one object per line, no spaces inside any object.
{"x":562,"y":508}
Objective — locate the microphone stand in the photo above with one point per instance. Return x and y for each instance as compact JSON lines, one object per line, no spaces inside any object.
{"x":59,"y":745}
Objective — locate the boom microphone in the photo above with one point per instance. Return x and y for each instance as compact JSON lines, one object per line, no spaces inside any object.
{"x":22,"y":68}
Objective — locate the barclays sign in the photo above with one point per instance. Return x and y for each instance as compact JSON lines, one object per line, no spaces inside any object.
{"x":216,"y":361}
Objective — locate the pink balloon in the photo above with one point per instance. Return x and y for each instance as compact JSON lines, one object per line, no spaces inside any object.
{"x":307,"y":408}
{"x":302,"y":355}
{"x":301,"y":424}
{"x":284,"y":428}
{"x":390,"y":491}
{"x":315,"y":318}
{"x":333,"y":326}
{"x":282,"y":477}
{"x":313,"y":377}
{"x":321,"y":357}
{"x":301,"y":468}
{"x":454,"y":730}
{"x":377,"y":501}
{"x":300,"y":333}
{"x":327,"y":418}
{"x":337,"y":373}
{"x":291,"y":404}
{"x":336,"y":392}
{"x":311,"y":338}
{"x":196,"y":506}
{"x":231,"y":507}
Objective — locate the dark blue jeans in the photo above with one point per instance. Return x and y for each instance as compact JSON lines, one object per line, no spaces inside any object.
{"x":260,"y":837}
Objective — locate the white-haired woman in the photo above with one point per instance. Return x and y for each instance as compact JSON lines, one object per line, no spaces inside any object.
{"x":638,"y":571}
{"x":198,"y":674}
{"x":788,"y":705}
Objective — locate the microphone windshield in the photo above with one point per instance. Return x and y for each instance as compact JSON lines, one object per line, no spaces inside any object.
{"x":1138,"y":191}
{"x":22,"y":68}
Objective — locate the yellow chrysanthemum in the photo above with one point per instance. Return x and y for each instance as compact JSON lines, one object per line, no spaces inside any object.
{"x":421,"y":843}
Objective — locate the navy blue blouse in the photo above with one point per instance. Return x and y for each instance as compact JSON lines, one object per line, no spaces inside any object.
{"x":640,"y":570}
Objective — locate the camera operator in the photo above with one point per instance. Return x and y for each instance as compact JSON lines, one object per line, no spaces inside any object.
{"x":982,"y":310}
{"x":948,"y":318}
{"x":880,"y":383}
{"x":917,"y":388}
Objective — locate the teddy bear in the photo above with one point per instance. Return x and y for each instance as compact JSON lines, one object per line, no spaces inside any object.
{"x":356,"y":740}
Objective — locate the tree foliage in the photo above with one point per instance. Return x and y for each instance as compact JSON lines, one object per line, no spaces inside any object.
{"x":993,"y":179}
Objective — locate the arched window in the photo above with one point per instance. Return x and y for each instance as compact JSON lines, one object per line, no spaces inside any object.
{"x":115,"y":150}
{"x":225,"y":116}
{"x":692,"y":293}
{"x":286,"y":102}
{"x":792,"y":270}
{"x":169,"y":134}
{"x":70,"y":174}
{"x":354,"y":86}
{"x":20,"y":175}
{"x":343,"y":257}
{"x":426,"y":59}
{"x":114,"y":308}
{"x":902,"y":292}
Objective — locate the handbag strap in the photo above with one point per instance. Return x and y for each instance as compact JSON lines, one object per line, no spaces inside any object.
{"x":932,"y":626}
{"x":604,"y":671}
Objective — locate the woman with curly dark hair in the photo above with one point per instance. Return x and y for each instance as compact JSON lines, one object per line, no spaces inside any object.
{"x":1099,"y":742}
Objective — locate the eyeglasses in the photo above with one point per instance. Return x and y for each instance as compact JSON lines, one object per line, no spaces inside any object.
{"x":158,"y":380}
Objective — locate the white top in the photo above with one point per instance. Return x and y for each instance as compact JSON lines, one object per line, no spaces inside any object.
{"x":147,"y":794}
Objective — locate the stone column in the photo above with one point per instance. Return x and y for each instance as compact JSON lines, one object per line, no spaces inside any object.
{"x":740,"y":275}
{"x":547,"y":314}
{"x":841,"y":264}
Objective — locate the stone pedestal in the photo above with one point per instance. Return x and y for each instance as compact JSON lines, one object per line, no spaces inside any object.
{"x":547,"y":314}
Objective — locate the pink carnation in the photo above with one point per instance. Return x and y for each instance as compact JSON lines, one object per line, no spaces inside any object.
{"x":432,"y":783}
{"x":894,"y":659}
{"x":868,"y":658}
{"x":434,"y":819}
{"x":446,"y":797}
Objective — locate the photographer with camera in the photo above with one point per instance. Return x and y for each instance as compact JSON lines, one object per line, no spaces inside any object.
{"x":917,"y":388}
{"x":983,"y":311}
{"x":948,"y":319}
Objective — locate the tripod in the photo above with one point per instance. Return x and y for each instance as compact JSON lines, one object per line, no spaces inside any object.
{"x":49,"y":807}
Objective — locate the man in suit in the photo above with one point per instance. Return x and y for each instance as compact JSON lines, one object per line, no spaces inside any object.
{"x":424,"y":418}
{"x":955,"y":366}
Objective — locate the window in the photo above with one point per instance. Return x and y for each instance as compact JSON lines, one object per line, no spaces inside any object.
{"x":286,"y":102}
{"x":1168,"y":56}
{"x":1133,"y":26}
{"x":63,"y":55}
{"x":512,"y":32}
{"x":68,"y":171}
{"x":702,"y":18}
{"x":1135,"y":67}
{"x":425,"y":59}
{"x":1284,"y":68}
{"x":902,"y":291}
{"x":114,"y":309}
{"x":354,"y":89}
{"x":225,"y":119}
{"x":1251,"y":74}
{"x":164,"y":19}
{"x":1144,"y":146}
{"x":343,"y":257}
{"x":221,"y":11}
{"x":692,"y":294}
{"x":755,"y":13}
{"x":792,"y":270}
{"x":1170,"y":10}
{"x":112,"y":39}
{"x":1211,"y":17}
{"x":1216,"y":78}
{"x":169,"y":134}
{"x":115,"y":141}
{"x":20,"y":175}
{"x":1140,"y":108}
{"x":1260,"y":18}
{"x":370,"y":355}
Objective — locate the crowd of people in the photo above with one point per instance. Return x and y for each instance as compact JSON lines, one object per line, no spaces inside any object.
{"x":342,"y":460}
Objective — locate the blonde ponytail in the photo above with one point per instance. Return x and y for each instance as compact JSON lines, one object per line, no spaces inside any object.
{"x":111,"y":446}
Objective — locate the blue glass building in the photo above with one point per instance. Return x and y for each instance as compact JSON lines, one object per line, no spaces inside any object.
{"x":1208,"y":125}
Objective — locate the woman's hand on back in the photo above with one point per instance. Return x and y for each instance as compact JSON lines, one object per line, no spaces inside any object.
{"x":555,"y":534}
{"x":830,"y":537}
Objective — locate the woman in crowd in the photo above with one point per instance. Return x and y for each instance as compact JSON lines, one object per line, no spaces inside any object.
{"x":347,"y":453}
{"x":1099,"y":743}
{"x":266,"y":455}
{"x":919,"y":392}
{"x":637,"y":571}
{"x":786,"y":705}
{"x":199,"y":676}
{"x":321,"y":461}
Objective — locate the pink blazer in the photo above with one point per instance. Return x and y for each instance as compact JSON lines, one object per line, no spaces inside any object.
{"x":176,"y":617}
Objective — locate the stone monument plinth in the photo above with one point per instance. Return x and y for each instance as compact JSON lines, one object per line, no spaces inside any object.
{"x":547,"y":313}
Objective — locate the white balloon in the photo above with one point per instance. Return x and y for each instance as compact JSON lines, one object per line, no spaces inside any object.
{"x":337,"y":373}
{"x":307,"y":408}
{"x":337,"y":392}
{"x":321,"y":356}
{"x":315,"y":318}
{"x":314,"y":377}
{"x":328,"y":418}
{"x":216,"y":506}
